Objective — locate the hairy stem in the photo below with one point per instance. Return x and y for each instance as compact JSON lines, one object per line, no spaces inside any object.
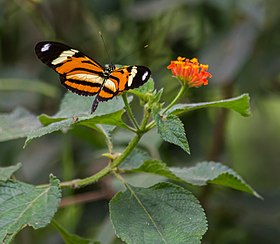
{"x":179,"y":95}
{"x":129,"y":111}
{"x":116,"y":162}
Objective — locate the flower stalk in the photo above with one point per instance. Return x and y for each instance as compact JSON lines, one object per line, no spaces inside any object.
{"x":179,"y":95}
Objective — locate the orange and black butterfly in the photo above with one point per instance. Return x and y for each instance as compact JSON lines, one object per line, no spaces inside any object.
{"x":84,"y":76}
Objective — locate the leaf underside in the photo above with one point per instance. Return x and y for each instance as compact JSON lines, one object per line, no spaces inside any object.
{"x":7,"y":172}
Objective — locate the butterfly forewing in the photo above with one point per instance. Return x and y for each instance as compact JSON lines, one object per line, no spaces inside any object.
{"x":78,"y":73}
{"x":85,"y":76}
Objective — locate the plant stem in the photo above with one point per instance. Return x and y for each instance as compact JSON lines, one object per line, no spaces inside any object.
{"x":151,"y":125}
{"x":107,"y":138}
{"x":179,"y":95}
{"x":86,"y":181}
{"x":115,"y":163}
{"x":130,"y":128}
{"x":129,"y":111}
{"x":132,"y":144}
{"x":105,"y":171}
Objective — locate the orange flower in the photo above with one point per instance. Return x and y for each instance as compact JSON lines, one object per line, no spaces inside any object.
{"x":190,"y":72}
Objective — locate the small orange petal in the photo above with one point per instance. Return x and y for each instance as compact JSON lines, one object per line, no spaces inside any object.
{"x":190,"y":72}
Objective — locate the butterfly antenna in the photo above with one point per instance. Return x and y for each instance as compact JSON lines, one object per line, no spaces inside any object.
{"x":105,"y":46}
{"x":133,"y":52}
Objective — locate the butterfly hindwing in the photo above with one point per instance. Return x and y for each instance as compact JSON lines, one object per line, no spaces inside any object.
{"x":130,"y":77}
{"x":84,"y":76}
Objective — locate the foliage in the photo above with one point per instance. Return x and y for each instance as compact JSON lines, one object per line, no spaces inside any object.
{"x":26,"y":205}
{"x":186,"y":143}
{"x":163,"y":213}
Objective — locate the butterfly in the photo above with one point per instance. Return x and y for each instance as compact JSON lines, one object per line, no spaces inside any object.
{"x":84,"y":76}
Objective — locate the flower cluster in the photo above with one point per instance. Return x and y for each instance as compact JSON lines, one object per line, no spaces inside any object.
{"x":190,"y":72}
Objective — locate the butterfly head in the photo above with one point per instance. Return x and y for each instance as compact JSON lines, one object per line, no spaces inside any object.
{"x":109,"y":68}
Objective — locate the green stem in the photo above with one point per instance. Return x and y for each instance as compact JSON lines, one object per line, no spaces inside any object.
{"x":129,"y":111}
{"x":86,"y":181}
{"x":150,"y":125}
{"x":130,"y":128}
{"x":105,"y":171}
{"x":115,"y":163}
{"x":107,"y":138}
{"x":133,"y":143}
{"x":179,"y":95}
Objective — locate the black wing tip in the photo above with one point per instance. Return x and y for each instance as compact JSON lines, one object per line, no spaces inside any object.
{"x":41,"y":44}
{"x":50,"y":42}
{"x":145,"y":69}
{"x":47,"y":51}
{"x":143,"y":72}
{"x":38,"y":47}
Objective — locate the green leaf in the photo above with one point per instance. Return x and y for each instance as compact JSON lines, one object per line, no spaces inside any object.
{"x":114,"y":118}
{"x":74,"y":106}
{"x":7,"y":172}
{"x":163,"y":213}
{"x":214,"y":173}
{"x":75,"y":110}
{"x":239,"y":104}
{"x":157,"y":96}
{"x":24,"y":205}
{"x":64,"y":124}
{"x":17,"y":124}
{"x":152,"y":166}
{"x":137,"y":179}
{"x":171,"y":129}
{"x":145,"y":90}
{"x":69,"y":238}
{"x":135,"y":159}
{"x":201,"y":174}
{"x":46,"y":119}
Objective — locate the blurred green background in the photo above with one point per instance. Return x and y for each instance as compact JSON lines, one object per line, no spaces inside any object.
{"x":240,"y":40}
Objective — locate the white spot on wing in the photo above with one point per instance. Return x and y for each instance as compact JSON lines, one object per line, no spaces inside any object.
{"x":132,"y":75}
{"x":45,"y":47}
{"x":64,"y":55}
{"x":145,"y":75}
